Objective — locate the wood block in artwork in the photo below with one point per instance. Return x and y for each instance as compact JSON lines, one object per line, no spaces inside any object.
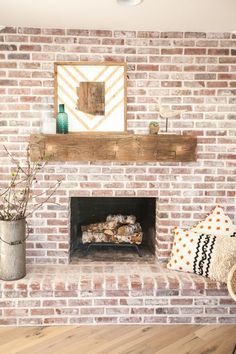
{"x":91,"y":97}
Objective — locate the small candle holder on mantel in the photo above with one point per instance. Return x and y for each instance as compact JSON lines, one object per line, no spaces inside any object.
{"x":48,"y":121}
{"x":48,"y":124}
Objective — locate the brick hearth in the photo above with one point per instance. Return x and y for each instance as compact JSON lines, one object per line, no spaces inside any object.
{"x":189,"y":71}
{"x":113,"y":293}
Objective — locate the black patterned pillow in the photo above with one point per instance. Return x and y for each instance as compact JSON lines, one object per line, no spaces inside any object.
{"x":203,"y":254}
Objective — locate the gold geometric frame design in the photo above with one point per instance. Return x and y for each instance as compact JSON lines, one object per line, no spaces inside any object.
{"x":69,"y":75}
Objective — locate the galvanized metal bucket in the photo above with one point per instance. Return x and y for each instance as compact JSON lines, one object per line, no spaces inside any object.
{"x":12,"y":249}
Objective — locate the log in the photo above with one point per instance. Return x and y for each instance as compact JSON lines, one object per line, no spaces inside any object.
{"x":99,"y":237}
{"x":129,"y":229}
{"x":98,"y":227}
{"x":122,"y":219}
{"x":116,"y":229}
{"x":108,"y":232}
{"x":120,"y":147}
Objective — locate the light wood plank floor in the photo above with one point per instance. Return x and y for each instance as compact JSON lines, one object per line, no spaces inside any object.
{"x":179,"y":339}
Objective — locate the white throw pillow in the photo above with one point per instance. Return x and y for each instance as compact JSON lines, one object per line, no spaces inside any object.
{"x":216,"y":223}
{"x":203,"y":254}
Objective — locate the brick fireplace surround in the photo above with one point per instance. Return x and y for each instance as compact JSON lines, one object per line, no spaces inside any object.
{"x":191,"y":71}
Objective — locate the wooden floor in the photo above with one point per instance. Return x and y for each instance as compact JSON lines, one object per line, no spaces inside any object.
{"x":179,"y":339}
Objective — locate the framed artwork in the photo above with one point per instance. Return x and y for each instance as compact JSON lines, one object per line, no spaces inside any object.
{"x":94,"y":95}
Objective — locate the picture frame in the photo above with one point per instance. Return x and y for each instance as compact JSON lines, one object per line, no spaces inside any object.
{"x":94,"y":95}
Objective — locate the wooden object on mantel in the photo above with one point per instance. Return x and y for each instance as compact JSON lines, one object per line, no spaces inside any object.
{"x":121,"y":147}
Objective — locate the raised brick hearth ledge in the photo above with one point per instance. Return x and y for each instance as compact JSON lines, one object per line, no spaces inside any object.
{"x":119,"y":293}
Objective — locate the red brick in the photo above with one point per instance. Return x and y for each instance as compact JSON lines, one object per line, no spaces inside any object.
{"x":105,"y":302}
{"x":216,"y":310}
{"x":30,"y":321}
{"x":8,"y":47}
{"x":170,"y":68}
{"x":8,"y":322}
{"x":18,"y":56}
{"x":90,"y":41}
{"x":15,"y":312}
{"x":218,"y":52}
{"x":117,"y":311}
{"x":226,"y":43}
{"x":227,"y":301}
{"x":21,"y":286}
{"x":9,"y":286}
{"x":179,"y":320}
{"x":148,"y":34}
{"x":194,"y":51}
{"x":194,"y":68}
{"x":42,"y":312}
{"x":53,"y":31}
{"x":113,"y":41}
{"x":41,"y":39}
{"x":30,"y":48}
{"x":56,"y":320}
{"x":171,"y":34}
{"x":100,"y":33}
{"x":15,"y":38}
{"x":125,"y":34}
{"x":217,"y":84}
{"x":205,"y":319}
{"x":30,"y":83}
{"x":29,"y":30}
{"x":7,"y":82}
{"x":43,"y":56}
{"x":80,"y":302}
{"x":39,"y":293}
{"x":8,"y":30}
{"x":227,"y":76}
{"x":195,"y":35}
{"x":227,"y":319}
{"x":81,"y":320}
{"x":206,"y":43}
{"x":147,"y":67}
{"x":131,"y":302}
{"x":77,"y":32}
{"x":106,"y":320}
{"x":181,"y":301}
{"x":154,"y":319}
{"x":171,"y":51}
{"x":130,"y":319}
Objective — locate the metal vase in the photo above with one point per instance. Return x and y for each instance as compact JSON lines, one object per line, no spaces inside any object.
{"x":12,"y":249}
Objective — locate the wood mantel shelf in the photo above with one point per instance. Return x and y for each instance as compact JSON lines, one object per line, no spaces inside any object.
{"x":121,"y":147}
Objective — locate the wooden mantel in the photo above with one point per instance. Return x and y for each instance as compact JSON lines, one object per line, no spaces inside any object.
{"x":121,"y":147}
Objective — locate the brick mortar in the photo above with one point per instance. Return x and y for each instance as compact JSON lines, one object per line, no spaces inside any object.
{"x":34,"y":301}
{"x":192,"y":70}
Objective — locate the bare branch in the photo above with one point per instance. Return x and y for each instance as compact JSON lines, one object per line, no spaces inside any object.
{"x":17,"y":195}
{"x":57,"y":185}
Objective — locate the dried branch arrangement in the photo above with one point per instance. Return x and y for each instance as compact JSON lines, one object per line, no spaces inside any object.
{"x":17,"y":198}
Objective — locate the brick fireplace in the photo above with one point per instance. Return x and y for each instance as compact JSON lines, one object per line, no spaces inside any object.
{"x":87,"y":210}
{"x":190,"y":71}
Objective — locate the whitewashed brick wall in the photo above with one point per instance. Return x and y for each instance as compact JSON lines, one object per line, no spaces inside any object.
{"x":195,"y":72}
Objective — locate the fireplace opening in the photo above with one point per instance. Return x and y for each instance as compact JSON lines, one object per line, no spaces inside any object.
{"x":133,"y":220}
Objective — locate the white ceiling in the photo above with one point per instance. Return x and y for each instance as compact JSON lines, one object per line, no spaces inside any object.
{"x":159,"y":15}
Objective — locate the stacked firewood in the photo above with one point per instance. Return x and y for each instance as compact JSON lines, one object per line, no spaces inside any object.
{"x":116,"y":229}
